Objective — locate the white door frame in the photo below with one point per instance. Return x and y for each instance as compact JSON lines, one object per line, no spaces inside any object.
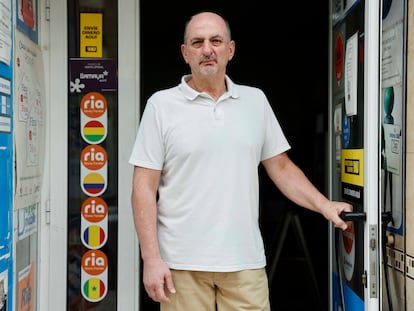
{"x":372,"y":153}
{"x":129,"y":115}
{"x":53,"y":279}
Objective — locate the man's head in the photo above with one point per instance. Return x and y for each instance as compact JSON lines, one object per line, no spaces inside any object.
{"x":207,"y":46}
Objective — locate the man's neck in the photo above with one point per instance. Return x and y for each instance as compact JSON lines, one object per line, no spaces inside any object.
{"x":214,"y":87}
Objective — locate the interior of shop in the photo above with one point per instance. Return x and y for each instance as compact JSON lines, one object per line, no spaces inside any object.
{"x":281,"y":48}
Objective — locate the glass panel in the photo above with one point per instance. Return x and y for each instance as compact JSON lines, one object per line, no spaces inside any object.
{"x":92,"y":155}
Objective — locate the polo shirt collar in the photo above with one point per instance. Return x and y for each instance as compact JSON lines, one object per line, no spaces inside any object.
{"x":191,"y":94}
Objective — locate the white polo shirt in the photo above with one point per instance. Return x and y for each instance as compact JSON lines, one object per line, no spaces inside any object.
{"x":209,"y":153}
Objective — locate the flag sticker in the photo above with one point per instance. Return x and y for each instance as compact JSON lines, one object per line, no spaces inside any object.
{"x":94,"y":289}
{"x":94,"y":236}
{"x":94,"y":132}
{"x":94,"y":223}
{"x":93,"y":184}
{"x":93,"y":117}
{"x":94,"y":275}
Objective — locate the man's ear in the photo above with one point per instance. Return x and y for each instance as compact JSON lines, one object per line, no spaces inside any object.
{"x":232,"y":49}
{"x":184,"y":52}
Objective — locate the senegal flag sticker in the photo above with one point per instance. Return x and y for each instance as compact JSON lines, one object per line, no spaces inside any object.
{"x":94,"y":289}
{"x":94,"y":275}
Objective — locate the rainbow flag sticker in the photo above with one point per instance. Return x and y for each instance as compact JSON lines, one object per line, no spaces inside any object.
{"x":94,"y":132}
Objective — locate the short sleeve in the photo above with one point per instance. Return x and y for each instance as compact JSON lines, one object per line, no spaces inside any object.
{"x":275,"y":141}
{"x":148,"y":149}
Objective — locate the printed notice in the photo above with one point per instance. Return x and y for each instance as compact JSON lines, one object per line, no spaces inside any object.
{"x":91,"y":35}
{"x":351,"y":74}
{"x":29,"y":123}
{"x":5,"y":31}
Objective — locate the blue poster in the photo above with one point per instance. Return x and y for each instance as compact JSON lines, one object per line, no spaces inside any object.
{"x":26,"y":18}
{"x":6,"y":138}
{"x":6,"y":157}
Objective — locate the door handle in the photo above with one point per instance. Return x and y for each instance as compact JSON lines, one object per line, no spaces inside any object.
{"x":353,"y":216}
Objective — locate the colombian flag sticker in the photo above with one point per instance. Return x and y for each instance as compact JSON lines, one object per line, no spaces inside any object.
{"x":94,"y":184}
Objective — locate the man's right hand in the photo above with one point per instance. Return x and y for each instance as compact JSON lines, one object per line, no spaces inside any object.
{"x":157,"y":278}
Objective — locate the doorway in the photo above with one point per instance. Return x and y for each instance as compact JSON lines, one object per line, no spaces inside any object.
{"x":289,"y":62}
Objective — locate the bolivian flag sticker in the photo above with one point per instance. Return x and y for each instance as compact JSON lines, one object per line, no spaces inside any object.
{"x":94,"y":132}
{"x":94,"y":118}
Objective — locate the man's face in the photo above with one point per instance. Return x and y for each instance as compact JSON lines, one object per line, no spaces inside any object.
{"x":207,"y":49}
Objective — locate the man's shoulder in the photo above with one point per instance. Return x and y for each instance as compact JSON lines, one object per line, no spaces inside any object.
{"x":164,"y":93}
{"x":245,"y":89}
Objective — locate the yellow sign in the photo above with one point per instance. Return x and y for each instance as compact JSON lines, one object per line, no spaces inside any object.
{"x":352,"y":168}
{"x":91,"y":35}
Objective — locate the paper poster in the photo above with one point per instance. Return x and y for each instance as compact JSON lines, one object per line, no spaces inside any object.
{"x":351,"y":75}
{"x":27,"y":221}
{"x":5,"y":31}
{"x":26,"y":18}
{"x":392,"y":55}
{"x":29,"y":121}
{"x":26,"y":290}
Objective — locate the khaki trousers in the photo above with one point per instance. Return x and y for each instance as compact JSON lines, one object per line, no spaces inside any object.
{"x":230,"y":291}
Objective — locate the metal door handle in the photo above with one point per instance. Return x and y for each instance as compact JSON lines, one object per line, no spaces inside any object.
{"x":353,"y":216}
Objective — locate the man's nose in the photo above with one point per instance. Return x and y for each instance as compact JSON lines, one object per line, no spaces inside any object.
{"x":207,"y":47}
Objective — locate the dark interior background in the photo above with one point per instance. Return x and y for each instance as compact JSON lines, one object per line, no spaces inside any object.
{"x":281,"y":47}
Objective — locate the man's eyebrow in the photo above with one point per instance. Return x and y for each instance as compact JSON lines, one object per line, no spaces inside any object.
{"x":209,"y":38}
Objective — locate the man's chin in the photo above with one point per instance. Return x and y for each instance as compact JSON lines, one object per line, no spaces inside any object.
{"x":208,"y":71}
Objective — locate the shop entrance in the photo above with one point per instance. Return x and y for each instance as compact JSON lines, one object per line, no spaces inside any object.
{"x":289,"y":62}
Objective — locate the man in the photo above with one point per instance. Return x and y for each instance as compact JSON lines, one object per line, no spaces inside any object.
{"x":195,"y":187}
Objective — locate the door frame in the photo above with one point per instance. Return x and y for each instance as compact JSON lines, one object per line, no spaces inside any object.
{"x":53,"y":279}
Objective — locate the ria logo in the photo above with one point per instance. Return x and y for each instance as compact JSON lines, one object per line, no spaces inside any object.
{"x":94,"y":276}
{"x":94,"y":262}
{"x":93,"y":118}
{"x":94,"y":223}
{"x":93,"y":157}
{"x":93,"y":105}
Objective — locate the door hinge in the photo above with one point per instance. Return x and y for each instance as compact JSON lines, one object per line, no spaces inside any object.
{"x":47,"y":10}
{"x":364,"y":279}
{"x":47,"y":212}
{"x":373,"y":263}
